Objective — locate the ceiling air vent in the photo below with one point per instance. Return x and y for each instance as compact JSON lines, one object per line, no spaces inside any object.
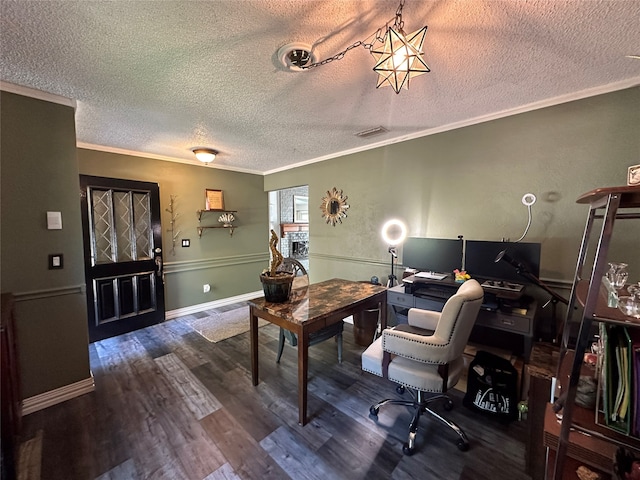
{"x":371,"y":132}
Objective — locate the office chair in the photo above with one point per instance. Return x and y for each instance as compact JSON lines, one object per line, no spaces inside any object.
{"x":425,"y":356}
{"x":299,"y":283}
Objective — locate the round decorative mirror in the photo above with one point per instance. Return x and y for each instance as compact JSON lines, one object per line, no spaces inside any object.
{"x":334,"y":206}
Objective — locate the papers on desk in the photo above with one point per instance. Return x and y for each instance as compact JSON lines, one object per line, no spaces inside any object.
{"x":431,"y":275}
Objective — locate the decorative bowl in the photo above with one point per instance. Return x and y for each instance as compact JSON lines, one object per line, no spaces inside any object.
{"x":629,"y":306}
{"x":226,"y":219}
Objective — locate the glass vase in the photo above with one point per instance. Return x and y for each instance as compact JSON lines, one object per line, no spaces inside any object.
{"x":617,"y":274}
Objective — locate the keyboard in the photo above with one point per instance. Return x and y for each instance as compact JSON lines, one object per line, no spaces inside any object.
{"x":500,"y":285}
{"x":431,"y":275}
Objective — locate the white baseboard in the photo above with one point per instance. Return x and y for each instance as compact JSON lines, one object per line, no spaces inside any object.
{"x":59,"y":395}
{"x":179,"y":312}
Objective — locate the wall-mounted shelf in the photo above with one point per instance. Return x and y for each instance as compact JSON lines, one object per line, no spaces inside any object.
{"x":200,"y":213}
{"x":292,"y":228}
{"x":231,"y":229}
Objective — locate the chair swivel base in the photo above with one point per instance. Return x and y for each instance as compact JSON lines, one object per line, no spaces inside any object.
{"x":420,"y":406}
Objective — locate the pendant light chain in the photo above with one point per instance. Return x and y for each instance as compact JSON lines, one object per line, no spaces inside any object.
{"x":399,"y":23}
{"x":378,"y":36}
{"x":400,"y":57}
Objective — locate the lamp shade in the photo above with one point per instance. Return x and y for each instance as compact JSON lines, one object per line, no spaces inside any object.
{"x":400,"y":58}
{"x":205,"y":155}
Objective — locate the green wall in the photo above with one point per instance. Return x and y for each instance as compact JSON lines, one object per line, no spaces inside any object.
{"x":230,"y":264}
{"x":470,"y":182}
{"x":462,"y":182}
{"x":40,"y":174}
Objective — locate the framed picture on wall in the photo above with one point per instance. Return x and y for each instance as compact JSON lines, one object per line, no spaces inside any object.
{"x":214,"y":200}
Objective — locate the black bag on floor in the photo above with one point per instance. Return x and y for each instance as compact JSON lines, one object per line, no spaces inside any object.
{"x":492,"y":387}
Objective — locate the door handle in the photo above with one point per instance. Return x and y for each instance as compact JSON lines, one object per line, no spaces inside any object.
{"x":159,"y":265}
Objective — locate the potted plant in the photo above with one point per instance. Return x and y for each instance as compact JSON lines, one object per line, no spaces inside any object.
{"x":276,"y":285}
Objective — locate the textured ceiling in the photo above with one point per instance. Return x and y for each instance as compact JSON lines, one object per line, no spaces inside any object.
{"x":159,"y":77}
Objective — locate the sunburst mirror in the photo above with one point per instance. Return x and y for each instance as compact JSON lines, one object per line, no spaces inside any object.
{"x":334,"y":206}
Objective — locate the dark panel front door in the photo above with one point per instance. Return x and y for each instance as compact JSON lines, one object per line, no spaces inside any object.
{"x":122,"y":255}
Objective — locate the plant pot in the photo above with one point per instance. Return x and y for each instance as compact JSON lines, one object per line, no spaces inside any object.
{"x":276,"y":289}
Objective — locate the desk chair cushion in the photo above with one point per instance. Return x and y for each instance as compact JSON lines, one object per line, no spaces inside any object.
{"x":410,"y":373}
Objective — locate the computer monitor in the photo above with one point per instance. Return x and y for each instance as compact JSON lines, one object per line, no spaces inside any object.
{"x":480,"y":259}
{"x":432,"y":254}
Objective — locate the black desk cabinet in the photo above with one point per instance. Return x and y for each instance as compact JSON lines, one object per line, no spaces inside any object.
{"x":520,"y":322}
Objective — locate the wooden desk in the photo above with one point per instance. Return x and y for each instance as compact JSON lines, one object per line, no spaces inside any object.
{"x":310,"y":309}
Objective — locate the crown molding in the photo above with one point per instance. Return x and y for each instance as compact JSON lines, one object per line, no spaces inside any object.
{"x":549,"y":102}
{"x":38,"y":94}
{"x":152,"y":156}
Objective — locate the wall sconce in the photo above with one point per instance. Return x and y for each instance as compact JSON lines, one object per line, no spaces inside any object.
{"x":205,"y":155}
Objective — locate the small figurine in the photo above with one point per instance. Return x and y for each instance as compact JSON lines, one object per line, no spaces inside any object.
{"x":461,"y":276}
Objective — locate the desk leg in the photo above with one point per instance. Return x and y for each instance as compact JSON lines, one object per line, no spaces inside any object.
{"x":303,"y":360}
{"x":253,"y":325}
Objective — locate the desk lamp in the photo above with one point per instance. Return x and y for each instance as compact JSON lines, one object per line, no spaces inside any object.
{"x":393,"y":233}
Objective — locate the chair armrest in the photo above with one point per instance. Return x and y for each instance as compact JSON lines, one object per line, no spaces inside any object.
{"x":426,"y":319}
{"x":428,"y":348}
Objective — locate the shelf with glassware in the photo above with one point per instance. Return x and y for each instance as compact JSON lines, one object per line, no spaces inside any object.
{"x":226,"y":219}
{"x":573,"y":432}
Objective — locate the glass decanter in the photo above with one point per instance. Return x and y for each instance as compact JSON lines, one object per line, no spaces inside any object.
{"x":617,"y":274}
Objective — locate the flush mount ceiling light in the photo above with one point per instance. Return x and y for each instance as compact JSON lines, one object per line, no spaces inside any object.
{"x":205,"y":155}
{"x":398,"y":59}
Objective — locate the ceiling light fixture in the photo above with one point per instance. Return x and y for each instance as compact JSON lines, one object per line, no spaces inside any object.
{"x":205,"y":155}
{"x":398,"y":60}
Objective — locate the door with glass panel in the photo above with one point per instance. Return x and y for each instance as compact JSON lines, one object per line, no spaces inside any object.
{"x":122,"y":254}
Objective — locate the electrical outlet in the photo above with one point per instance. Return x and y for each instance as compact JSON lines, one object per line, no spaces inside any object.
{"x":186,"y":242}
{"x":206,"y":288}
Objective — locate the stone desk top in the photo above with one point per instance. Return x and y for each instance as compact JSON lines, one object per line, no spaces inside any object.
{"x":318,"y":300}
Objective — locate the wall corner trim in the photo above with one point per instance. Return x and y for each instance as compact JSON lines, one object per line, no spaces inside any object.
{"x":59,"y":395}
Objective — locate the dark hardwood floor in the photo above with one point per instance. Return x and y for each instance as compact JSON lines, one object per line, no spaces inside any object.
{"x":168,"y":404}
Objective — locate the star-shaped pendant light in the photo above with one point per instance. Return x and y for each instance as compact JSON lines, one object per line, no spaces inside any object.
{"x":400,"y":58}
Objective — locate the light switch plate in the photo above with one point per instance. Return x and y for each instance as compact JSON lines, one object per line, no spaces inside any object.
{"x":56,"y":261}
{"x":54,"y":220}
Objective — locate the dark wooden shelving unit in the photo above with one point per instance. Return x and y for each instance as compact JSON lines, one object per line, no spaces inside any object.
{"x":574,"y":437}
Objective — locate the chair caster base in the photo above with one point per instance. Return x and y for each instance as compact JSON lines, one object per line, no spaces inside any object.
{"x":462,"y":445}
{"x":448,"y":405}
{"x":408,"y":451}
{"x":373,"y":411}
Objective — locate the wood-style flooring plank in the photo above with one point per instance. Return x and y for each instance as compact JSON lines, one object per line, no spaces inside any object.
{"x":200,"y":401}
{"x":294,"y":456}
{"x":225,"y":472}
{"x":244,"y":454}
{"x":141,"y":422}
{"x":124,"y":471}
